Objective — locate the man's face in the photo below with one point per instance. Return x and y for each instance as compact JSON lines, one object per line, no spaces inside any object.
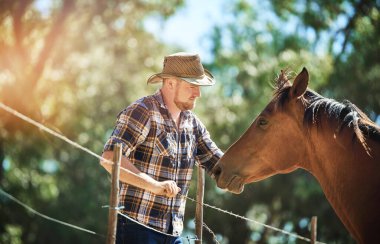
{"x":186,"y":94}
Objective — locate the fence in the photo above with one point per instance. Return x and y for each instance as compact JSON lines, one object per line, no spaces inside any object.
{"x":113,"y":207}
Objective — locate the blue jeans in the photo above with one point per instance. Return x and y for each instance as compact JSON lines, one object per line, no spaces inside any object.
{"x":129,"y":232}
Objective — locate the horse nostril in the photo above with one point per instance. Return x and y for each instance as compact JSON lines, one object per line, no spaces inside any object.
{"x":217,"y":171}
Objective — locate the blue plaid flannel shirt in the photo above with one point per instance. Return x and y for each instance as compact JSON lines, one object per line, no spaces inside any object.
{"x":153,"y":144}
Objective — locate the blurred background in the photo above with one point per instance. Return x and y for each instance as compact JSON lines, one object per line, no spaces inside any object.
{"x":73,"y":65}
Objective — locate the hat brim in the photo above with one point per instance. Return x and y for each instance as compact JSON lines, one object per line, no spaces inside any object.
{"x":206,"y":80}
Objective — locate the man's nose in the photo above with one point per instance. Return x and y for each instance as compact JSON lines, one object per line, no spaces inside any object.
{"x":197,"y":92}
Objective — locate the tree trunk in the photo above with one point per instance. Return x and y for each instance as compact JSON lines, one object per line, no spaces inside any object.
{"x":2,"y":157}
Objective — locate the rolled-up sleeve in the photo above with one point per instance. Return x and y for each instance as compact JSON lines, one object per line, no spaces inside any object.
{"x":208,"y":153}
{"x":131,"y":129}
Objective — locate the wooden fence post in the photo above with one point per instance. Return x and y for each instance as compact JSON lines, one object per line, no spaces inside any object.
{"x":114,"y":196}
{"x":199,"y":204}
{"x":313,"y":239}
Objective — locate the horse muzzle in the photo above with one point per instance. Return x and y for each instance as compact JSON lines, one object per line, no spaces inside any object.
{"x":230,"y":182}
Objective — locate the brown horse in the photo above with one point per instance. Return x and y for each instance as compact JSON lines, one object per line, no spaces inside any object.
{"x":335,"y":142}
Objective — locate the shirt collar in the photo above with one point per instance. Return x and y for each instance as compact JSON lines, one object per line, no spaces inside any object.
{"x":158,"y":96}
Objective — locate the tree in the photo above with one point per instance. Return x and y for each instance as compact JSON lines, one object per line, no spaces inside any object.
{"x":73,"y":66}
{"x":352,"y":41}
{"x":249,"y":49}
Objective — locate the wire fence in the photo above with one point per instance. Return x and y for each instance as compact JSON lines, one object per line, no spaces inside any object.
{"x":9,"y":196}
{"x":76,"y":145}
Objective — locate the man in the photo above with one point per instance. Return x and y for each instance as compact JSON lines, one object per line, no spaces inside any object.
{"x":162,"y":140}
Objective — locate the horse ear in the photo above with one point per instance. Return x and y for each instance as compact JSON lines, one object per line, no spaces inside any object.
{"x":300,"y":84}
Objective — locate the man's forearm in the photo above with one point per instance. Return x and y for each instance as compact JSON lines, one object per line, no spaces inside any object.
{"x":129,"y":173}
{"x":133,"y":176}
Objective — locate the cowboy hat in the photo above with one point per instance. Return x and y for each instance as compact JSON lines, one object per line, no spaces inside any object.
{"x":185,"y":66}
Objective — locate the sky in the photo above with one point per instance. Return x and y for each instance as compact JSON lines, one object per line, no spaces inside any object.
{"x":189,"y":26}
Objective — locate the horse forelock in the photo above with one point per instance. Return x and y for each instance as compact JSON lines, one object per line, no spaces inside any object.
{"x":282,"y":80}
{"x":281,"y":88}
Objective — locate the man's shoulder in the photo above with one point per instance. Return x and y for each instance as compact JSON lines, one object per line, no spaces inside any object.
{"x":147,"y":102}
{"x":141,"y":106}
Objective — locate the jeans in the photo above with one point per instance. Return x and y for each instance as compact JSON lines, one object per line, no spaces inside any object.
{"x":129,"y":232}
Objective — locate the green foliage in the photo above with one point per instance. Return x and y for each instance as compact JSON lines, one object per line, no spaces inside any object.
{"x":249,"y":50}
{"x":361,"y":84}
{"x":73,"y":65}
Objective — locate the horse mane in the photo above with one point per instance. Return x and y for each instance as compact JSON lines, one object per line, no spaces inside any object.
{"x":346,"y":113}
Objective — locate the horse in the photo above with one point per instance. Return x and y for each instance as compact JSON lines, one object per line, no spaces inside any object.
{"x":334,"y":141}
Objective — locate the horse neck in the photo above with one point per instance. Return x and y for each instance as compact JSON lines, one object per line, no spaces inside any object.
{"x":348,"y":176}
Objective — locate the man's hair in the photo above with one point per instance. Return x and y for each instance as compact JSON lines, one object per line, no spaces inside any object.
{"x":165,"y":80}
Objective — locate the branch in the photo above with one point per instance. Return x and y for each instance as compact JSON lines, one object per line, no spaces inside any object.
{"x":361,"y":8}
{"x":17,"y":12}
{"x":50,"y":40}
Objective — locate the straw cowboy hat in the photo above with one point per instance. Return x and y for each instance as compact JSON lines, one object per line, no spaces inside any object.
{"x":185,"y":66}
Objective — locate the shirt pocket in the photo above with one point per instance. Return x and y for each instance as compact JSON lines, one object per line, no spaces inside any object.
{"x":165,"y":143}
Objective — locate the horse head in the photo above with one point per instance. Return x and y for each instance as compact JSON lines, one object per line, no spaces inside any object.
{"x":336,"y":142}
{"x":273,"y":144}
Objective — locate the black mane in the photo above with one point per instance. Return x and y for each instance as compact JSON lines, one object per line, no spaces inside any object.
{"x":346,"y":113}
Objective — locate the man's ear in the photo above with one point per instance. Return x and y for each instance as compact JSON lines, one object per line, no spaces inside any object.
{"x":171,"y":83}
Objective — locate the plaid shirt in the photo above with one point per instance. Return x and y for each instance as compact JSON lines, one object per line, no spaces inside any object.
{"x":152,"y":143}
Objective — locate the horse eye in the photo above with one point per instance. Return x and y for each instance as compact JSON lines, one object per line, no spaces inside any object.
{"x":262,"y":122}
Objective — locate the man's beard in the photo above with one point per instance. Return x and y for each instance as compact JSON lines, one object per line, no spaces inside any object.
{"x":184,"y":105}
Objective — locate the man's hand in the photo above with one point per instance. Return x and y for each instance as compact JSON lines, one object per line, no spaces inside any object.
{"x":167,"y":188}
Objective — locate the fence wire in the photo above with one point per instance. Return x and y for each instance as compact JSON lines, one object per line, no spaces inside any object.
{"x":50,"y":131}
